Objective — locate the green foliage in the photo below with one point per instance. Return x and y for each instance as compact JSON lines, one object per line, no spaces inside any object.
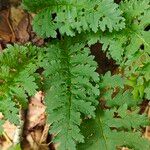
{"x":72,"y":90}
{"x":18,"y":65}
{"x":137,"y":71}
{"x":133,"y":38}
{"x":68,"y":72}
{"x":110,"y":81}
{"x":74,"y":16}
{"x":117,"y":126}
{"x":108,"y":133}
{"x":112,"y":89}
{"x":9,"y":110}
{"x":15,"y":147}
{"x":130,"y":47}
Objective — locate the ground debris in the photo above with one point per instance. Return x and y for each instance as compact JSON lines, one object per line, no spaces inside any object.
{"x":6,"y":31}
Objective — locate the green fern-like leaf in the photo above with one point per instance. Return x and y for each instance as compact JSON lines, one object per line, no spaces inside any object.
{"x":9,"y":110}
{"x":137,"y":71}
{"x":130,"y":47}
{"x":71,"y":90}
{"x":117,"y":126}
{"x":130,"y":40}
{"x":116,"y":95}
{"x":15,"y":147}
{"x":17,"y":80}
{"x":74,"y":16}
{"x":112,"y":81}
{"x":101,"y":133}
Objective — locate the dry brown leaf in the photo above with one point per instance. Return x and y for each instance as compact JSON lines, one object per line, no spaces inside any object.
{"x":5,"y":145}
{"x":147,"y":130}
{"x":36,"y":111}
{"x":6,"y":31}
{"x":16,"y":15}
{"x":36,"y":117}
{"x":38,"y":137}
{"x":44,"y":134}
{"x":1,"y":48}
{"x":36,"y":40}
{"x":22,"y":30}
{"x":34,"y":145}
{"x":9,"y":134}
{"x":10,"y":130}
{"x":20,"y":22}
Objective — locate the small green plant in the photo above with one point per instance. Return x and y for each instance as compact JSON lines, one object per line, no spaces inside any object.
{"x":114,"y":123}
{"x":86,"y":111}
{"x":130,"y":47}
{"x":17,"y":78}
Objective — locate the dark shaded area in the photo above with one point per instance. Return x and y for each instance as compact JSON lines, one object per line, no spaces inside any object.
{"x":4,"y":4}
{"x":143,"y":106}
{"x":51,"y":145}
{"x":117,"y":1}
{"x":104,"y":64}
{"x":3,"y":44}
{"x":142,"y":47}
{"x":147,"y":28}
{"x":24,"y":141}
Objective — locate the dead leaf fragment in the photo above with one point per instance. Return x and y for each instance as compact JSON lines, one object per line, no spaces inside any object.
{"x":20,"y":22}
{"x":147,"y":130}
{"x":36,"y":111}
{"x":6,"y":31}
{"x":9,"y":134}
{"x":9,"y":129}
{"x":37,"y":129}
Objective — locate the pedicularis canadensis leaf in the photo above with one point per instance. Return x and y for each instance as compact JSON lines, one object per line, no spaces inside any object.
{"x":134,"y":37}
{"x":66,"y":72}
{"x":72,"y":16}
{"x":132,"y":46}
{"x":18,"y":65}
{"x":118,"y":124}
{"x":109,"y":133}
{"x":72,"y":91}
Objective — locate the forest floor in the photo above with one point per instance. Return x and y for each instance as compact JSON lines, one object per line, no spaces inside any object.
{"x":15,"y":27}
